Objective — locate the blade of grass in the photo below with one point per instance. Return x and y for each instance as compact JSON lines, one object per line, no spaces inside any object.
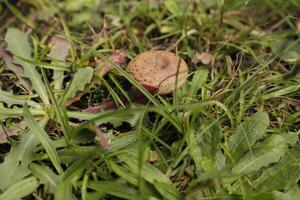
{"x":43,"y":138}
{"x":59,"y":111}
{"x":63,"y":190}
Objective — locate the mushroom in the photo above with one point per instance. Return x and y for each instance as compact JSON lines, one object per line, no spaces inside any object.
{"x":158,"y":71}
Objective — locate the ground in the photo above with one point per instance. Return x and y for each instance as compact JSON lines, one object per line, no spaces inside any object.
{"x":76,"y":125}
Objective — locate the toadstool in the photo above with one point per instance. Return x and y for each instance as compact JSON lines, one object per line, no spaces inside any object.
{"x":159,"y":71}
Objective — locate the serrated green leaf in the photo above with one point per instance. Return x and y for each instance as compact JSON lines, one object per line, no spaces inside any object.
{"x":115,"y":119}
{"x":11,"y":99}
{"x":18,"y":44}
{"x":20,"y":189}
{"x":247,"y":133}
{"x":195,"y":151}
{"x":268,"y":152}
{"x":40,"y":134}
{"x":45,"y":175}
{"x":204,"y":144}
{"x":81,"y":78}
{"x":210,"y":137}
{"x":173,"y":6}
{"x":282,"y":175}
{"x":15,"y":165}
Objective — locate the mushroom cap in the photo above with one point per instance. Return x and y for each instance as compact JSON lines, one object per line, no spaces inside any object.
{"x":157,"y":71}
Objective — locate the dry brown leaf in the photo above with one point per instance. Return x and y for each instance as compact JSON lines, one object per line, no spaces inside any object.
{"x":78,"y":95}
{"x":118,"y":57}
{"x":203,"y":57}
{"x":103,"y":140}
{"x":11,"y":131}
{"x":16,"y":69}
{"x":298,"y":25}
{"x":60,"y":48}
{"x":104,"y":105}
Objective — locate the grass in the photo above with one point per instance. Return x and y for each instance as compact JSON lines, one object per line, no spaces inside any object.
{"x":231,"y":132}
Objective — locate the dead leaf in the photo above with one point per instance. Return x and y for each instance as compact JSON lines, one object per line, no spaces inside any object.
{"x":11,"y":131}
{"x":203,"y":57}
{"x":298,"y":25}
{"x":118,"y":57}
{"x":59,"y":48}
{"x":103,"y":140}
{"x":78,"y":95}
{"x":104,"y":105}
{"x":16,"y":69}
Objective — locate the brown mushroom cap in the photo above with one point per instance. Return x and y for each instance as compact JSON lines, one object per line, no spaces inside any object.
{"x":157,"y":71}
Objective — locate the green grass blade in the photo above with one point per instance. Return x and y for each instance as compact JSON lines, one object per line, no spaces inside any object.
{"x":43,"y":138}
{"x":113,"y":188}
{"x":59,"y":111}
{"x":63,"y":190}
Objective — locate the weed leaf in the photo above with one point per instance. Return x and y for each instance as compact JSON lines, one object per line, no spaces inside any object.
{"x":247,"y":133}
{"x":18,"y":44}
{"x":45,"y":175}
{"x":81,"y":78}
{"x":15,"y":165}
{"x":173,"y":7}
{"x":268,"y":152}
{"x":20,"y":189}
{"x":283,"y":174}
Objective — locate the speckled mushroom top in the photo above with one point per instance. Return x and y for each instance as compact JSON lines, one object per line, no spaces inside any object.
{"x":158,"y":69}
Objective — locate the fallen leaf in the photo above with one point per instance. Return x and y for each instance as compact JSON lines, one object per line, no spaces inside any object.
{"x":11,"y":131}
{"x":103,"y":140}
{"x":16,"y":69}
{"x":60,"y":49}
{"x":77,"y":96}
{"x":18,"y":44}
{"x":204,"y":57}
{"x":118,"y":57}
{"x":298,"y":25}
{"x":104,"y":105}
